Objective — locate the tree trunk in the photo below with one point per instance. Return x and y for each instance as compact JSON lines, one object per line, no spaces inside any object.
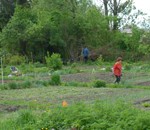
{"x":115,"y":14}
{"x":105,"y":2}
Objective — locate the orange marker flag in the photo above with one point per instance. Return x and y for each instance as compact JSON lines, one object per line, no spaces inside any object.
{"x":64,"y":104}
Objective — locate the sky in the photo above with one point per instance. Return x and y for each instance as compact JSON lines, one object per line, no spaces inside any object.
{"x":143,"y":5}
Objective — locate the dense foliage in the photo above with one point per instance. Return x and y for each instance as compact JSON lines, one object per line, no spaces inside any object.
{"x":33,"y":28}
{"x":100,"y":116}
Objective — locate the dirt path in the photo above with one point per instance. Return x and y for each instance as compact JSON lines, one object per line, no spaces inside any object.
{"x":106,"y":76}
{"x":87,"y":77}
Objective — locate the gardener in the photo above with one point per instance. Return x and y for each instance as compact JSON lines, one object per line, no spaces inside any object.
{"x":85,"y":53}
{"x":117,"y":69}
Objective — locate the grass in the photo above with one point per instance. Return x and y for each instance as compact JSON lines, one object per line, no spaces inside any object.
{"x":38,"y":106}
{"x":41,"y":99}
{"x":55,"y":95}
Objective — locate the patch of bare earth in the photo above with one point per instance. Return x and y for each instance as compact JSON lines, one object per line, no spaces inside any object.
{"x":146,"y":83}
{"x":10,"y":108}
{"x":87,"y":77}
{"x":139,"y":104}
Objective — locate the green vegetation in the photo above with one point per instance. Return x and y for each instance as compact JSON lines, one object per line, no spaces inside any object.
{"x":103,"y":114}
{"x":54,"y":61}
{"x":32,"y":29}
{"x":43,"y":39}
{"x":34,"y":100}
{"x":55,"y":79}
{"x":99,"y":83}
{"x":81,"y":116}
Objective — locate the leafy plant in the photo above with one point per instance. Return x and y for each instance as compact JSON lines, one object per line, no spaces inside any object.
{"x":41,"y":83}
{"x":55,"y":79}
{"x":16,"y":60}
{"x":146,"y":104}
{"x":99,"y":83}
{"x":13,"y":85}
{"x":54,"y":61}
{"x":25,"y":84}
{"x":99,"y":60}
{"x":127,"y":66}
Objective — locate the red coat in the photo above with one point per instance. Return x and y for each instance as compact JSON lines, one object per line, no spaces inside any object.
{"x":117,"y":69}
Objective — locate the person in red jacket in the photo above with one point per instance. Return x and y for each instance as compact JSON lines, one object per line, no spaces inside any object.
{"x":117,"y":69}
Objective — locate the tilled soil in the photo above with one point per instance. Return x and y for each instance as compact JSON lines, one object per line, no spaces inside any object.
{"x":140,"y":104}
{"x":9,"y":108}
{"x":87,"y":77}
{"x":108,"y":77}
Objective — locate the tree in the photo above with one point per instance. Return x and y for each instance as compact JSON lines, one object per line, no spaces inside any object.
{"x":114,"y":8}
{"x":54,"y":26}
{"x":13,"y":36}
{"x":6,"y":11}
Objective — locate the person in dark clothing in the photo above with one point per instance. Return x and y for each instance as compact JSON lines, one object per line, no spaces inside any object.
{"x":85,"y":53}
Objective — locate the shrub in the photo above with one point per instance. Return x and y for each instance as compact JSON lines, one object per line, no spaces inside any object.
{"x":146,"y":104}
{"x":41,"y":83}
{"x":99,"y":83}
{"x":127,"y":66}
{"x":55,"y":79}
{"x":74,"y":65}
{"x":99,"y":60}
{"x":13,"y":85}
{"x":25,"y":84}
{"x":38,"y":64}
{"x":6,"y":70}
{"x":54,"y":61}
{"x":4,"y":87}
{"x":108,"y":69}
{"x":16,"y":60}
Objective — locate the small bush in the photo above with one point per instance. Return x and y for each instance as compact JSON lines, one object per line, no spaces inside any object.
{"x":146,"y":104}
{"x":74,"y":65}
{"x":38,"y":64}
{"x":16,"y":60}
{"x":99,"y":83}
{"x":4,"y":87}
{"x":55,"y":79}
{"x":100,"y":60}
{"x":13,"y":85}
{"x":25,"y":68}
{"x":108,"y":69}
{"x":54,"y":61}
{"x":26,"y":84}
{"x":41,"y":83}
{"x":127,"y":66}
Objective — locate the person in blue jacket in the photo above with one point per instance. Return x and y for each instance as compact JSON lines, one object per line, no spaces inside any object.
{"x":85,"y":53}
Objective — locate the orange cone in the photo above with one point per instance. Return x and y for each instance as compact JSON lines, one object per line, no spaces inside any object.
{"x":64,"y":104}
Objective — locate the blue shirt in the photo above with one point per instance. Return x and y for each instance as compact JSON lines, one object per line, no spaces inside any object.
{"x":85,"y":52}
